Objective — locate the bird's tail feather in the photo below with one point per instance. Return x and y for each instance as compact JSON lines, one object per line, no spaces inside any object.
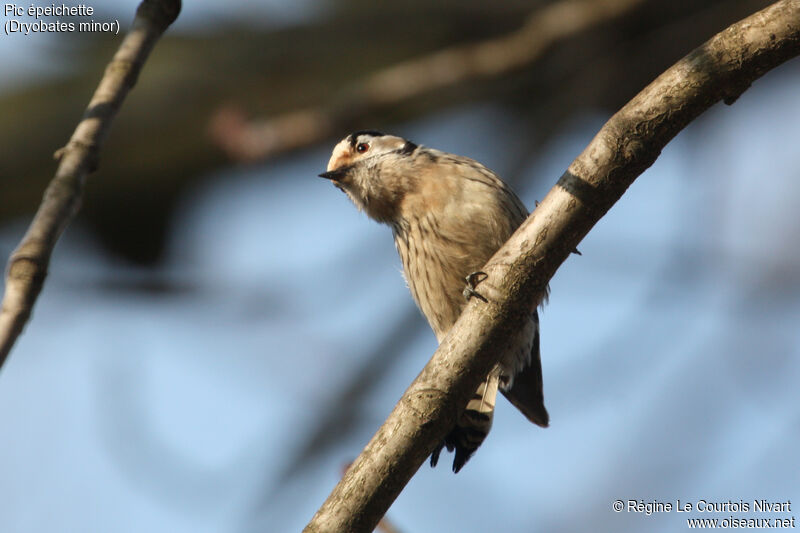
{"x":474,"y":424}
{"x":526,"y":392}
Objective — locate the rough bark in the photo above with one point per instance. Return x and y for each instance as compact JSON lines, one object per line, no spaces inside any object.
{"x":27,"y":266}
{"x":720,"y":69}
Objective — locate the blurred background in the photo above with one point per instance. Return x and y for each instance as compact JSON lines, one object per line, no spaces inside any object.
{"x":221,"y":331}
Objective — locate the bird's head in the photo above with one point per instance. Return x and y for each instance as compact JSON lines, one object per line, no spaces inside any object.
{"x":373,"y":170}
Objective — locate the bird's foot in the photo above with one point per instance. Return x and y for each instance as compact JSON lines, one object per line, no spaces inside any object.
{"x":473,"y":280}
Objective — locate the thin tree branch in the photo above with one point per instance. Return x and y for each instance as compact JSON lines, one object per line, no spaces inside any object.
{"x":247,"y":141}
{"x":27,"y":266}
{"x":720,"y":69}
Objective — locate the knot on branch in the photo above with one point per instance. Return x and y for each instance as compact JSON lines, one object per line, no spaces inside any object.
{"x":90,"y":152}
{"x":28,"y":269}
{"x":733,"y":91}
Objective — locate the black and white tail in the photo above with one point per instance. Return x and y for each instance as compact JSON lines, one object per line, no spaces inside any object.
{"x":474,"y":424}
{"x":525,"y":393}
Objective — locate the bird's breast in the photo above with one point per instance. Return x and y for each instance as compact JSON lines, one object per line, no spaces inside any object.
{"x":434,"y":270}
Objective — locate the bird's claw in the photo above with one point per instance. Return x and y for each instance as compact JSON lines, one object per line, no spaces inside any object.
{"x":473,"y":280}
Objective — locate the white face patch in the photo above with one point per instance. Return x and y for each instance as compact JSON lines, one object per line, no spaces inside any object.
{"x":364,"y":146}
{"x":357,"y":165}
{"x":341,"y":156}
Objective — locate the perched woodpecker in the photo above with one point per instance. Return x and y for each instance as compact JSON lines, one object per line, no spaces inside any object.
{"x":449,"y":214}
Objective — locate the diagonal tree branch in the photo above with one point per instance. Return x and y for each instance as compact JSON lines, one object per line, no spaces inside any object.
{"x":27,"y":266}
{"x":720,"y":69}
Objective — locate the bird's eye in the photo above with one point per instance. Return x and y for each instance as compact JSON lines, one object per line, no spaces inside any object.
{"x":362,"y":147}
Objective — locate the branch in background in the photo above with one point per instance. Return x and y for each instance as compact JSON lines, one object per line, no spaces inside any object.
{"x":248,"y":141}
{"x":27,"y":266}
{"x":720,"y":69}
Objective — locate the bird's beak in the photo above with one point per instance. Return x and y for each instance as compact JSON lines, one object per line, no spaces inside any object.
{"x":335,"y":175}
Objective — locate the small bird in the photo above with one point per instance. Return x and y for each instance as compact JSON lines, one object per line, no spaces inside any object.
{"x":449,"y":214}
